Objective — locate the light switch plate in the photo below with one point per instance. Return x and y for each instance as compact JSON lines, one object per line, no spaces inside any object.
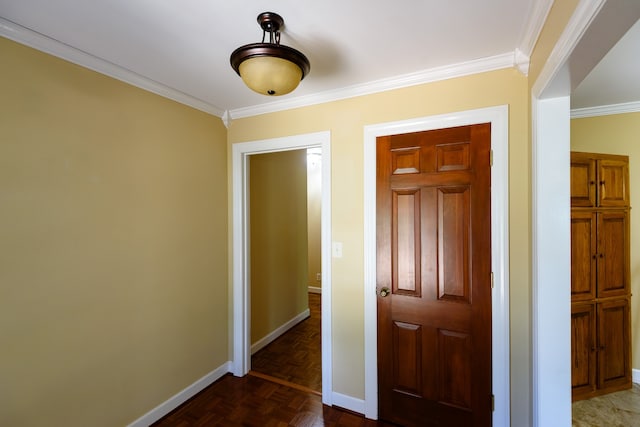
{"x":336,"y":249}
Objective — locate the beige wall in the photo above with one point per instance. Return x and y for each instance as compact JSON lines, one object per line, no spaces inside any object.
{"x":278,"y":218}
{"x":113,"y":261}
{"x":555,"y":24}
{"x":314,"y":216}
{"x":346,"y":119}
{"x":619,"y":134}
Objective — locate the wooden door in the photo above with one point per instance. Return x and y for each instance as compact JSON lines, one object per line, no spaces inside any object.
{"x":434,"y":277}
{"x":613,"y":176}
{"x":613,"y":254}
{"x":583,"y":180}
{"x":583,"y":349}
{"x":584,"y":254}
{"x":614,"y":337}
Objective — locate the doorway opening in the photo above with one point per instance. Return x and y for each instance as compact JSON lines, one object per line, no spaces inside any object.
{"x":241,"y":293}
{"x":285,"y":190}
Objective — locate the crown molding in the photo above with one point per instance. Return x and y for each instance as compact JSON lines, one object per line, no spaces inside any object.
{"x":226,"y":119}
{"x":606,"y":110}
{"x":492,"y":63}
{"x":38,"y":41}
{"x":537,"y":17}
{"x":518,"y":59}
{"x":521,"y":61}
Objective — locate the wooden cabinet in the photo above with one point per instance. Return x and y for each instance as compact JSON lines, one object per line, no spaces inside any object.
{"x":600,"y":275}
{"x":613,"y":341}
{"x":599,"y":180}
{"x":599,"y":254}
{"x":613,"y":254}
{"x":600,"y":347}
{"x":583,"y":349}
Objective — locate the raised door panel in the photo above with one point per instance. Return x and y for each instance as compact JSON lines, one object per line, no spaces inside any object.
{"x":583,"y":255}
{"x":613,"y":183}
{"x":613,"y":254}
{"x":407,"y":365}
{"x":406,"y":242}
{"x":583,"y":351}
{"x":614,"y":335}
{"x":454,"y":367}
{"x":583,"y":180}
{"x":453,"y":244}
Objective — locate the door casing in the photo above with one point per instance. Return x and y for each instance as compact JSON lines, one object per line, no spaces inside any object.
{"x":499,"y":118}
{"x":241,"y":346}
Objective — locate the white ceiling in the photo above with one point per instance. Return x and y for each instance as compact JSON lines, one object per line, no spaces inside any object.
{"x":180,"y":49}
{"x":616,"y":78}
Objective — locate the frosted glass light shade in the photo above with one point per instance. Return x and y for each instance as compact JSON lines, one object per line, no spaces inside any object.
{"x":270,"y":75}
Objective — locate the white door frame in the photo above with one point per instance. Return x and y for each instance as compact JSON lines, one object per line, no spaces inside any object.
{"x":551,"y":263}
{"x":241,"y":357}
{"x":499,"y":118}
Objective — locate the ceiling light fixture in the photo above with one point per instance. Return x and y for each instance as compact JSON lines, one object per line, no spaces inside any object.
{"x":270,"y":68}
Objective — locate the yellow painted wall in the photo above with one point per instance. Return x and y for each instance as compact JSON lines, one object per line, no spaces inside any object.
{"x":278,"y":217}
{"x":619,"y":134}
{"x":346,"y":119}
{"x":113,"y":254}
{"x":555,"y":24}
{"x":314,"y":216}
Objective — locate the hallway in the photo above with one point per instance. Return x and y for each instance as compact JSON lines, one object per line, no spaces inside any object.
{"x":296,"y":356}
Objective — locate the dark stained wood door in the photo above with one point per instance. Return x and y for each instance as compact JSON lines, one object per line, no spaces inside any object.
{"x":434,"y":277}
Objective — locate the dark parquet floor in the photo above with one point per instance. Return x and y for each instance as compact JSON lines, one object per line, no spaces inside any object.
{"x":297,"y":355}
{"x":253,"y":401}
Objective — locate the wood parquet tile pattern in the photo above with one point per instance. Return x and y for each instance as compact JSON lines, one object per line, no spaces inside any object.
{"x":296,"y":356}
{"x":254,"y":402}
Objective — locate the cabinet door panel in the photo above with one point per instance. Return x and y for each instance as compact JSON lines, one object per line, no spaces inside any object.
{"x":613,"y":344}
{"x":583,"y":180}
{"x":583,"y":255}
{"x":613,"y":254}
{"x":613,"y":176}
{"x":583,"y":340}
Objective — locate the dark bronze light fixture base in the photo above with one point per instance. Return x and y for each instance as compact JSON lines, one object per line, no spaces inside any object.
{"x":270,"y":22}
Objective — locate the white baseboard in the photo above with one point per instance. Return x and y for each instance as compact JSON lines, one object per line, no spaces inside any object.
{"x":315,"y":290}
{"x":263,"y":342}
{"x":347,"y":402}
{"x":338,"y":399}
{"x":635,"y":376}
{"x":178,"y":399}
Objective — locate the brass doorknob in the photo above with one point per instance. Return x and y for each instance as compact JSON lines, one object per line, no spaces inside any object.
{"x":384,"y":292}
